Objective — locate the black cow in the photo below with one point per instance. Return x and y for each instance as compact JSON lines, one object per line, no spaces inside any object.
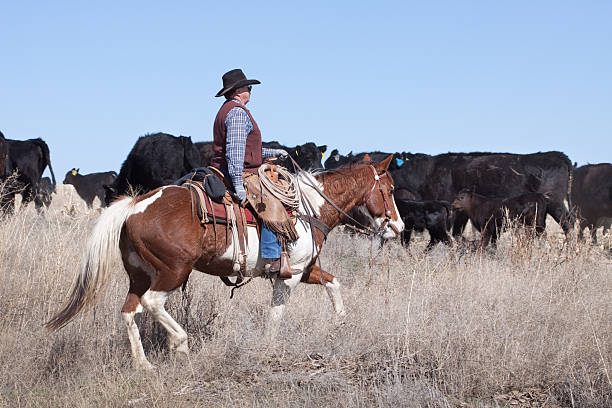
{"x":206,"y":153}
{"x":336,"y":160}
{"x":496,"y":175}
{"x":435,"y":216}
{"x":308,"y":155}
{"x":592,"y":196}
{"x":487,"y":215}
{"x":90,"y":186}
{"x":28,"y":159}
{"x":154,"y":161}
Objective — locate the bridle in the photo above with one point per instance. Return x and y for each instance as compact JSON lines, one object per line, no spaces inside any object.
{"x":388,"y":210}
{"x":366,"y":228}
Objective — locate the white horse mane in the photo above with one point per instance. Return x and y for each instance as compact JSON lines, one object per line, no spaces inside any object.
{"x":306,"y":180}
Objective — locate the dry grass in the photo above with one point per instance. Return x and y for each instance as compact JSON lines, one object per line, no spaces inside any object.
{"x":529,"y":322}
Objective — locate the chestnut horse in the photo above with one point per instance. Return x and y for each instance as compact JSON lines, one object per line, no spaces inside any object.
{"x":160,"y":243}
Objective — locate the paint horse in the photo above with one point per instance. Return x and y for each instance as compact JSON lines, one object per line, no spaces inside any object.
{"x":160,"y":243}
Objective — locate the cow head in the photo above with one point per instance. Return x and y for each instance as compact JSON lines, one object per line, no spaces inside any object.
{"x":336,"y":160}
{"x":308,"y":156}
{"x":463,"y":200}
{"x":68,"y":179}
{"x":110,"y":194}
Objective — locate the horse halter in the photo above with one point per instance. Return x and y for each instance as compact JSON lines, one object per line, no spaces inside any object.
{"x":388,"y":211}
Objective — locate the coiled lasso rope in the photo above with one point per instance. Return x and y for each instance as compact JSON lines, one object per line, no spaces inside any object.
{"x":288,"y":193}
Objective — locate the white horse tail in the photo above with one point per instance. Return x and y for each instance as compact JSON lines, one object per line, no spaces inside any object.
{"x":102,"y":249}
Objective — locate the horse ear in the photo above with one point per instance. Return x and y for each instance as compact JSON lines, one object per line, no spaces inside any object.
{"x":384,"y":165}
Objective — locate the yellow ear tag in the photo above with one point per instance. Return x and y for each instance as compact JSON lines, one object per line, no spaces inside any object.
{"x":74,"y":172}
{"x":296,"y":153}
{"x":322,"y":155}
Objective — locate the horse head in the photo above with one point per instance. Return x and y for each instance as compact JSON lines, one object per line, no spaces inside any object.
{"x":379,"y":199}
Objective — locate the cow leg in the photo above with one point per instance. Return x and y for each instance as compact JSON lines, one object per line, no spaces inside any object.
{"x":493,"y":241}
{"x":540,"y":222}
{"x":488,"y":235}
{"x":316,"y":275}
{"x":433,"y":238}
{"x":582,"y":225}
{"x":437,"y":233}
{"x":593,"y":231}
{"x":459,"y":223}
{"x":280,"y":295}
{"x":406,"y":235}
{"x":27,"y":196}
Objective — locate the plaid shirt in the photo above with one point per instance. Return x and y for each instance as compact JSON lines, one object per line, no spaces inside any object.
{"x":238,"y":125}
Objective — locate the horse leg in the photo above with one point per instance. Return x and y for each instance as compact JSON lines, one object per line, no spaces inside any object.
{"x":131,"y":307}
{"x":152,"y":294}
{"x":316,"y":275}
{"x":280,"y":295}
{"x":154,"y":301}
{"x":140,"y":280}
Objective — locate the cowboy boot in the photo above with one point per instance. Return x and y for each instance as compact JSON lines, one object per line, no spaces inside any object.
{"x":279,"y":267}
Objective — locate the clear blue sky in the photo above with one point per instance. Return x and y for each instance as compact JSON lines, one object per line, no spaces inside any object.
{"x":524,"y":76}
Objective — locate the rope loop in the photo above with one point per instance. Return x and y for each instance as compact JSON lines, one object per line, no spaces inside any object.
{"x":286,"y":191}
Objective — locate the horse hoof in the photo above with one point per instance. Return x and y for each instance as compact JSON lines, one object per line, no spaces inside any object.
{"x":182,"y":349}
{"x":145,"y":365}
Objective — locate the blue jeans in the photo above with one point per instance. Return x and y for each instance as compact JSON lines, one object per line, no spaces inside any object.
{"x":269,"y":244}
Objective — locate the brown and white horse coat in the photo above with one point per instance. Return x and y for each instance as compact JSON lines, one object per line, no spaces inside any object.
{"x":160,"y":243}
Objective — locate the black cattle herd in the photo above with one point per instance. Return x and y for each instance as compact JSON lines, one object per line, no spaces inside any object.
{"x":439,"y":193}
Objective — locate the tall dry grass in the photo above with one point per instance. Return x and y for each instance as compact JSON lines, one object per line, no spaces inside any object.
{"x":529,"y":323}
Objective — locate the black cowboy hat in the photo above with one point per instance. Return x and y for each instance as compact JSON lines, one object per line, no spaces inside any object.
{"x":235,"y":79}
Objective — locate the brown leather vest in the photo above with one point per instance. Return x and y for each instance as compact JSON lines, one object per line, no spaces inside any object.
{"x":252,"y":154}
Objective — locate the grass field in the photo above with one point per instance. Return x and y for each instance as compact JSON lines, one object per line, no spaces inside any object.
{"x":527,"y":325}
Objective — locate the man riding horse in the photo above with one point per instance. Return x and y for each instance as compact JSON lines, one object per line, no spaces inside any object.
{"x":238,"y":153}
{"x":161,"y":243}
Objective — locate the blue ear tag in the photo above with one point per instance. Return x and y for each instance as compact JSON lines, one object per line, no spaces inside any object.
{"x":399,"y":162}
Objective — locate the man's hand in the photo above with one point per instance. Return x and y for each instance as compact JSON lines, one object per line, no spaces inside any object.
{"x":281,"y":153}
{"x":241,"y":195}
